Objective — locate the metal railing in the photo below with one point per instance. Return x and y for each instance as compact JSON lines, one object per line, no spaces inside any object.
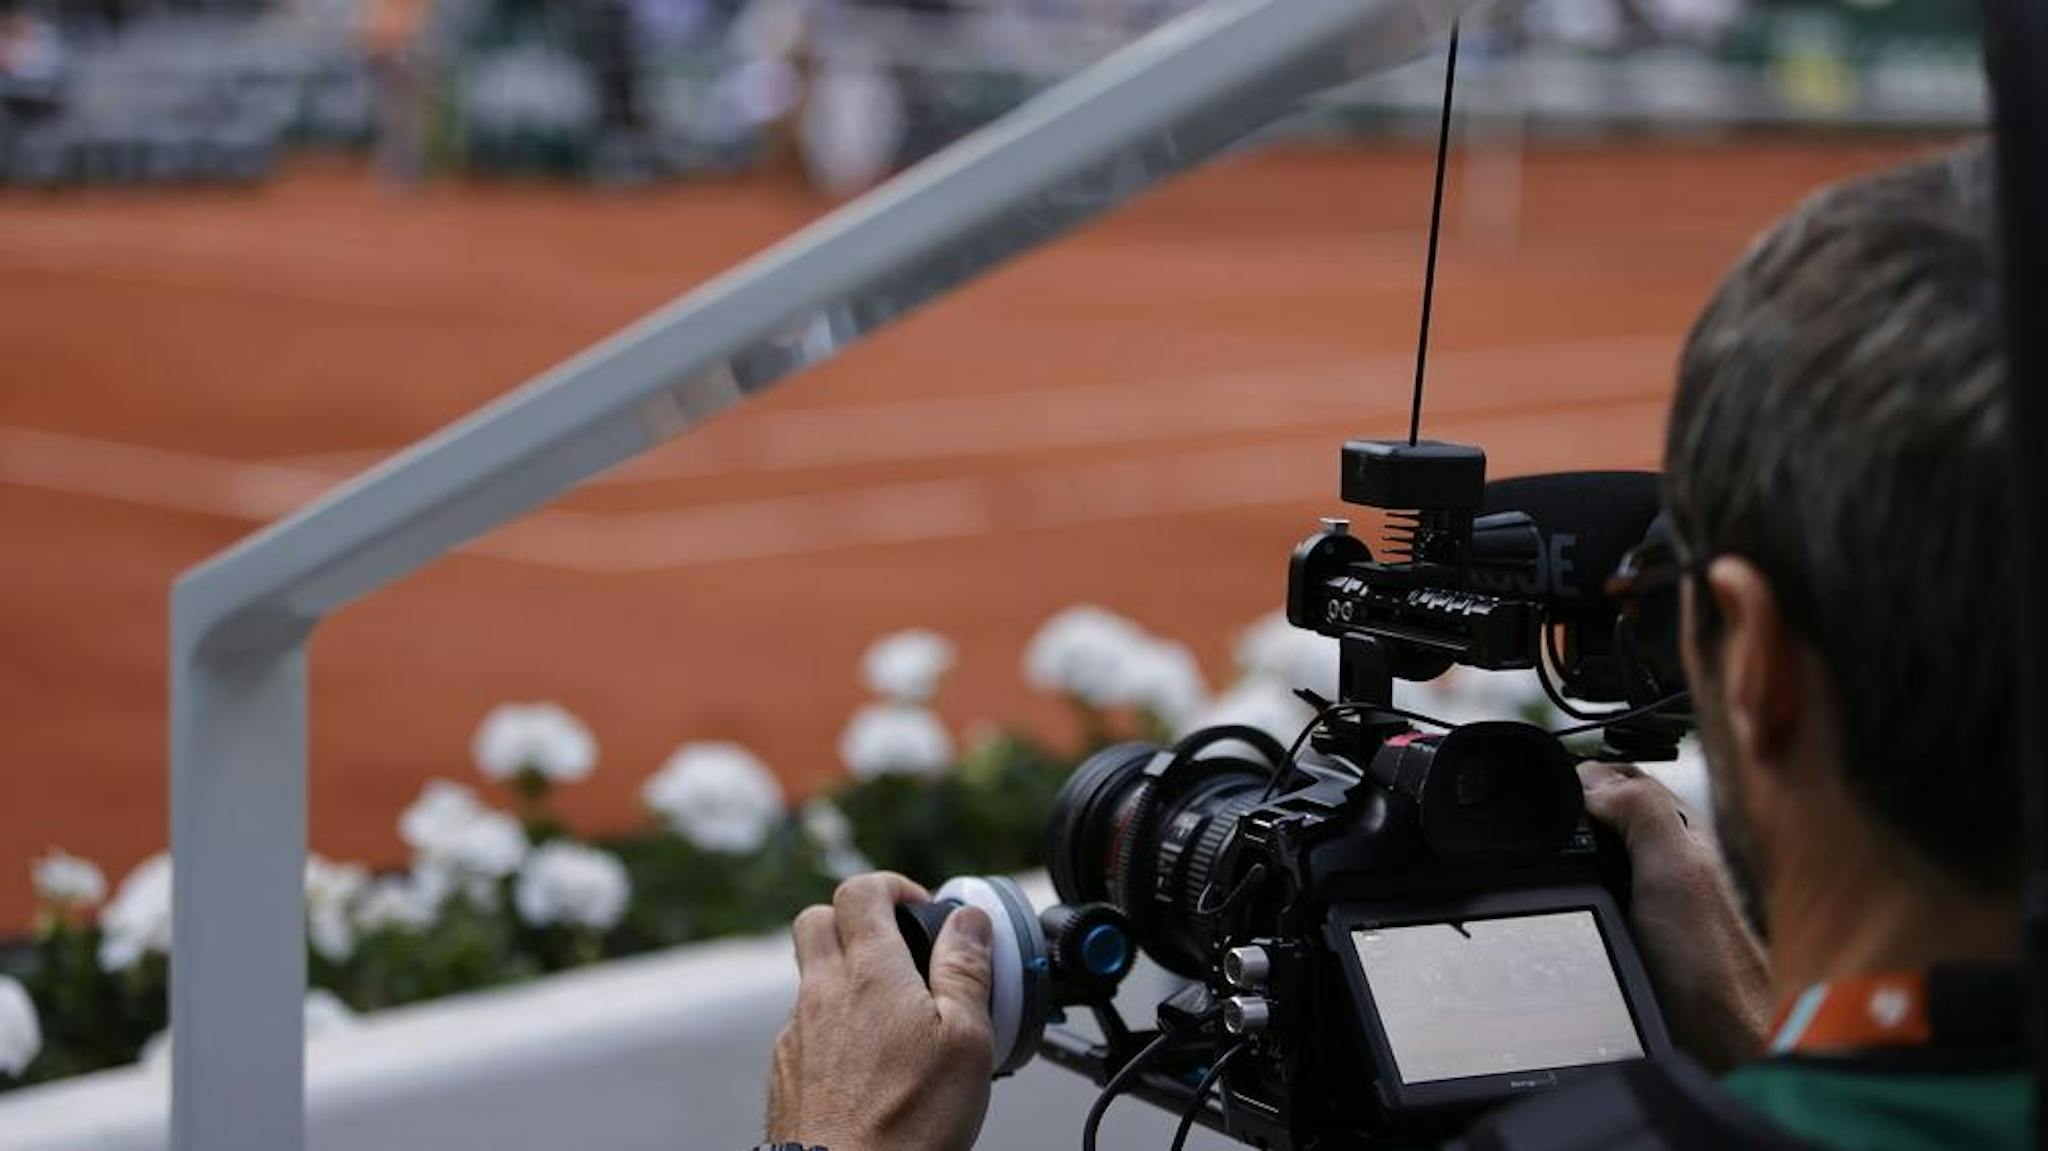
{"x":239,"y":623}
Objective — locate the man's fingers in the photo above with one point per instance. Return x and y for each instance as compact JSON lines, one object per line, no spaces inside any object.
{"x":1633,"y":804}
{"x":960,"y":970}
{"x":817,"y":937}
{"x":864,"y":909}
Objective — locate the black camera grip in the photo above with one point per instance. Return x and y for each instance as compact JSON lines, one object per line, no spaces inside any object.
{"x":920,"y":924}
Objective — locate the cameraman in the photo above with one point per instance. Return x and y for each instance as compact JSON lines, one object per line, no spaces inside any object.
{"x":1836,"y":470}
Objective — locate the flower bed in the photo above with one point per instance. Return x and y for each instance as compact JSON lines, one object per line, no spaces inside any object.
{"x":494,"y":896}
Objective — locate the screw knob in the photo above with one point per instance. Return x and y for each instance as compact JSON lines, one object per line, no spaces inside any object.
{"x":1249,"y":968}
{"x":1247,"y":1014}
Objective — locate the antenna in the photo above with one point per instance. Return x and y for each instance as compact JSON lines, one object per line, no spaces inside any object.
{"x":1436,"y":217}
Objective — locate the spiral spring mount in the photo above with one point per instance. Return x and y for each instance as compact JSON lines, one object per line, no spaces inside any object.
{"x":1430,"y":492}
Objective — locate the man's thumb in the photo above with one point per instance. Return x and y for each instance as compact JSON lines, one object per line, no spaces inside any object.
{"x":1636,"y":806}
{"x":960,"y":967}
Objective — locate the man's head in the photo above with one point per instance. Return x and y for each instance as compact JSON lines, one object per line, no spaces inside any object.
{"x":1837,"y":473}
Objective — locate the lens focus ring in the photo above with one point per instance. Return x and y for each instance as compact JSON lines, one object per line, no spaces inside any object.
{"x":1080,"y":845}
{"x":1207,"y":849}
{"x":1126,"y":889}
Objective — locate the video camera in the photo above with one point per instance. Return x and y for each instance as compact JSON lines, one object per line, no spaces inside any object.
{"x":1385,"y":930}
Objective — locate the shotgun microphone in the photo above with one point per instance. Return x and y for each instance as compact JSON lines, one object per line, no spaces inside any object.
{"x":1556,"y":538}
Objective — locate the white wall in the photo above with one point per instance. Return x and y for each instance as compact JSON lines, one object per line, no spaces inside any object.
{"x":662,"y":1052}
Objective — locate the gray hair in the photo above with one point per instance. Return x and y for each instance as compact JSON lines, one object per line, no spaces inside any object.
{"x":1841,"y":422}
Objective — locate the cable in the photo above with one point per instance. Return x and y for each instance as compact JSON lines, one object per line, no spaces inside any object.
{"x":1323,"y":714}
{"x":1675,"y":698}
{"x":1118,"y":1083}
{"x":1246,"y":882}
{"x":1550,"y":688}
{"x":1592,"y":719}
{"x":1215,"y":1072}
{"x":1436,"y":215}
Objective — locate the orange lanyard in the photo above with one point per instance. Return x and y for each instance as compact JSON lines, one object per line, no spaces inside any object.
{"x":1887,"y":1010}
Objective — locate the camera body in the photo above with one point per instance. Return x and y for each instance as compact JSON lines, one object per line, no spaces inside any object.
{"x":1398,"y":943}
{"x":1385,"y":931}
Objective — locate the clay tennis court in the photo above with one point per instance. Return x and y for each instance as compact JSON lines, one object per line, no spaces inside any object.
{"x":1145,"y":416}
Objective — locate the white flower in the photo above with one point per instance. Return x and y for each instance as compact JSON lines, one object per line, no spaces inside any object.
{"x":895,"y":739}
{"x":331,"y":892}
{"x":434,"y":883}
{"x":406,"y":902}
{"x":21,"y":1033}
{"x":538,"y":737}
{"x":437,"y":817}
{"x":492,"y":846}
{"x":1164,"y":679}
{"x":138,"y":920}
{"x":533,"y":738}
{"x":829,"y":828}
{"x":571,"y":884}
{"x":717,"y":795}
{"x":65,"y":880}
{"x":451,"y":829}
{"x":438,"y":880}
{"x":1105,"y":660}
{"x":1291,"y":656}
{"x":325,"y":1014}
{"x":1083,"y":652}
{"x":907,"y":666}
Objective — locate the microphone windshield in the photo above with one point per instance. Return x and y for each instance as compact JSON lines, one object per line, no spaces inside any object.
{"x":1585,"y":522}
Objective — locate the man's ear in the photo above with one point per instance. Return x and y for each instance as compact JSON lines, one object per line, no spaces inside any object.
{"x":1759,"y":664}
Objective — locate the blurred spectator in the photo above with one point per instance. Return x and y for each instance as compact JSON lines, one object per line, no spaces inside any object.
{"x":853,"y":124}
{"x":389,"y":38}
{"x":32,"y":62}
{"x":607,"y":40}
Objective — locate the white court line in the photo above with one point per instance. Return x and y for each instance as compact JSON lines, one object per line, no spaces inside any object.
{"x":155,"y":477}
{"x":622,"y":543}
{"x":1602,"y":377}
{"x":1294,"y":471}
{"x":1355,"y":393}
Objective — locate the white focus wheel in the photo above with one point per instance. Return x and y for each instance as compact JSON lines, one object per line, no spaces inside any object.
{"x":1019,"y":978}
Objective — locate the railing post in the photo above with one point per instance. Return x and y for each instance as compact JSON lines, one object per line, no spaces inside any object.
{"x":238,"y":835}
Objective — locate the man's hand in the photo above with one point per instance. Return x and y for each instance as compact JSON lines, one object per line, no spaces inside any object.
{"x":872,"y":1059}
{"x":1712,"y":977}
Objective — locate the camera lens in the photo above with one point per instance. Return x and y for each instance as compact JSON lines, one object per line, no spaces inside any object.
{"x":1147,"y":841}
